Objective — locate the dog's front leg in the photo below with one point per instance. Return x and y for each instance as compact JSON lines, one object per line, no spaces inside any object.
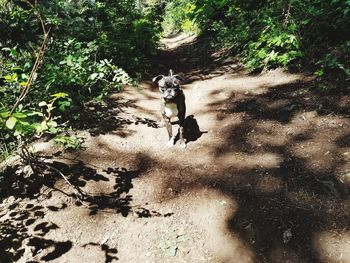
{"x":167,"y":123}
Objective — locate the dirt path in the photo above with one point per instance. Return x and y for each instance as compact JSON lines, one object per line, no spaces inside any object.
{"x":264,"y":178}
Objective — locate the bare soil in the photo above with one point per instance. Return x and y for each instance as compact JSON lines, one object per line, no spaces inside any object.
{"x":265,"y":176}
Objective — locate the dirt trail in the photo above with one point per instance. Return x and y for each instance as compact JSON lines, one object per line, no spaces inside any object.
{"x":264,"y":177}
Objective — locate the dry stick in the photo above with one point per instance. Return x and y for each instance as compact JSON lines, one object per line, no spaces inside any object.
{"x":25,"y":90}
{"x":32,"y":73}
{"x":37,"y":63}
{"x":78,"y":192}
{"x":286,"y":19}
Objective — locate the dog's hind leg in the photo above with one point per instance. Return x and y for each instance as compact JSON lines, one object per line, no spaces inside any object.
{"x":181,"y":133}
{"x":182,"y":115}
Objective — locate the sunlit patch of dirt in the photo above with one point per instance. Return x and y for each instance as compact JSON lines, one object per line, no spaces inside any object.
{"x":177,"y":40}
{"x":333,"y":246}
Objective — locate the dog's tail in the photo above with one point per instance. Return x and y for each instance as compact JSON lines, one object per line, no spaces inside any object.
{"x":171,"y":72}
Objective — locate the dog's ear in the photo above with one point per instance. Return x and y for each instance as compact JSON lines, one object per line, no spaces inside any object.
{"x":157,"y":79}
{"x":179,"y":78}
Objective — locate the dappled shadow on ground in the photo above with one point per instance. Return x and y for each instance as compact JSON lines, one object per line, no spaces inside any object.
{"x":110,"y":253}
{"x":282,"y":102}
{"x":195,"y":60}
{"x":286,"y":153}
{"x":103,"y":119}
{"x":119,"y":200}
{"x":285,"y":201}
{"x":281,"y":162}
{"x":23,"y":226}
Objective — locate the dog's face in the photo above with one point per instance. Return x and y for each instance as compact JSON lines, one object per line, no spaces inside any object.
{"x":169,"y":86}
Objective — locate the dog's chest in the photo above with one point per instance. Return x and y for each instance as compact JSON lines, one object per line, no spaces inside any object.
{"x":171,"y":110}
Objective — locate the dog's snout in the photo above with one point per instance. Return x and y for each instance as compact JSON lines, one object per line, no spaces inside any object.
{"x":169,"y":94}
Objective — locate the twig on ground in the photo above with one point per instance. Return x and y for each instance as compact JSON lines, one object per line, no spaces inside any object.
{"x":78,"y":192}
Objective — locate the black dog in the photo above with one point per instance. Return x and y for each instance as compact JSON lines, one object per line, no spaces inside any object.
{"x":172,"y":104}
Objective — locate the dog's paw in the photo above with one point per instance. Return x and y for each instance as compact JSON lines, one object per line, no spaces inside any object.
{"x":183,"y":144}
{"x":170,"y":143}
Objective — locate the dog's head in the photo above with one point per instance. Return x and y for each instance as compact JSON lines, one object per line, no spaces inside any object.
{"x":169,"y":86}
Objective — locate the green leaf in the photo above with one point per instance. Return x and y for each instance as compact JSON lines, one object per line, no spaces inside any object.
{"x":23,"y":83}
{"x":33,"y":113}
{"x":69,"y":60}
{"x":15,"y":68}
{"x":37,"y":126}
{"x":52,"y":124}
{"x":20,"y":115}
{"x":53,"y":130}
{"x":59,"y":95}
{"x":64,"y":104}
{"x":25,"y":123}
{"x":18,"y":131}
{"x":42,"y":103}
{"x":44,"y":125}
{"x":11,"y":122}
{"x":93,"y":76}
{"x":8,"y":78}
{"x":4,"y":114}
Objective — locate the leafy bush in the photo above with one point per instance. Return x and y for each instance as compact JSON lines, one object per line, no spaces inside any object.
{"x":269,"y":34}
{"x":93,"y":47}
{"x":68,"y":143}
{"x":275,"y":47}
{"x":178,"y":17}
{"x":71,"y":67}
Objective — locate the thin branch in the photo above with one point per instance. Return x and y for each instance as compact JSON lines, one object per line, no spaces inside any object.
{"x":38,"y":59}
{"x":286,"y":19}
{"x":78,"y":192}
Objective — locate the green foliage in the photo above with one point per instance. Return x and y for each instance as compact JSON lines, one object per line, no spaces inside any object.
{"x":71,"y":67}
{"x":269,"y":34}
{"x":68,"y":143}
{"x":28,"y":121}
{"x":178,"y":16}
{"x":94,"y":47}
{"x":276,"y":46}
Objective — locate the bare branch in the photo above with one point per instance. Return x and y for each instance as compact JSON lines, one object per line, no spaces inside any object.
{"x":38,"y":59}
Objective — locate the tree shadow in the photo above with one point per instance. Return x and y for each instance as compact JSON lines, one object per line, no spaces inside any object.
{"x":59,"y":248}
{"x":100,"y":119}
{"x":110,"y":253}
{"x":24,"y":226}
{"x":196,"y":60}
{"x":119,"y":200}
{"x":280,"y":224}
{"x":286,"y":199}
{"x":282,"y":208}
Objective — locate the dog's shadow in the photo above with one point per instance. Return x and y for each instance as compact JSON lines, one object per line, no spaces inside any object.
{"x":192,"y":130}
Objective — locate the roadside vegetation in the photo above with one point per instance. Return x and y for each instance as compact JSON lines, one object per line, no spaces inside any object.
{"x":55,"y":56}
